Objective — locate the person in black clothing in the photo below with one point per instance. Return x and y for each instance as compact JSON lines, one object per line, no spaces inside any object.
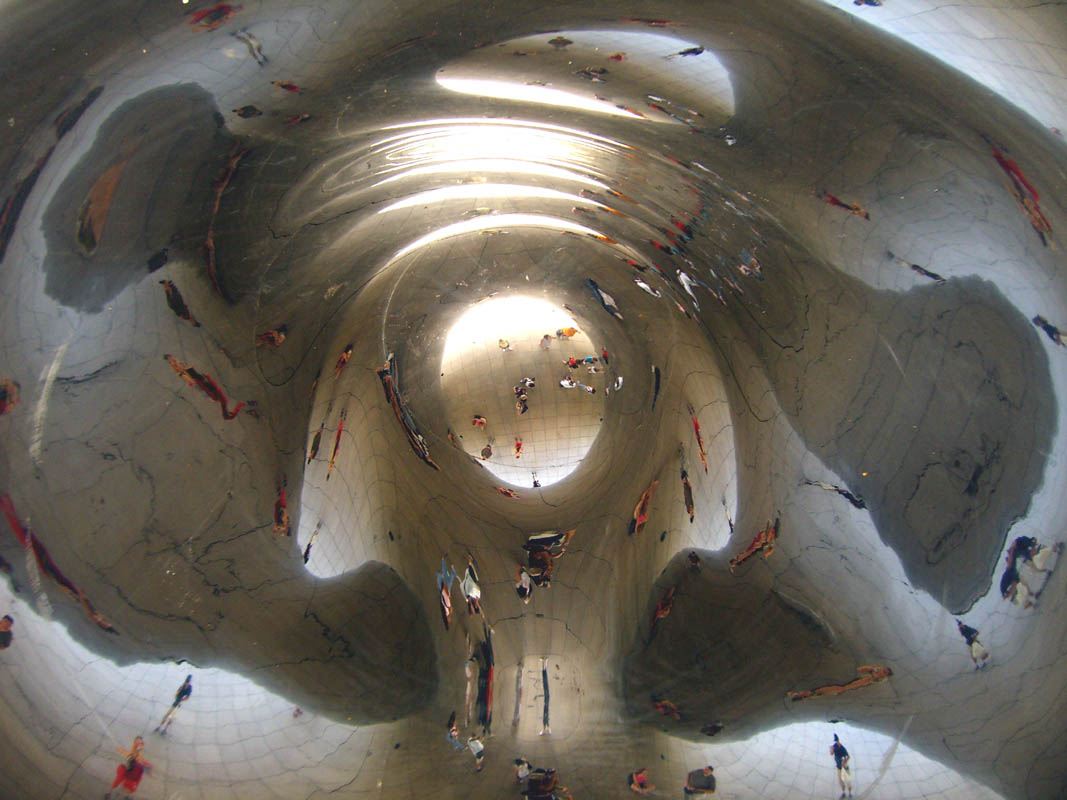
{"x":1054,"y":333}
{"x":841,"y":759}
{"x":5,"y":631}
{"x":183,"y":693}
{"x":543,"y":784}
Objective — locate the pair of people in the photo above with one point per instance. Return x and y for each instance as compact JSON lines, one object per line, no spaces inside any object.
{"x":542,"y":551}
{"x":1033,"y":555}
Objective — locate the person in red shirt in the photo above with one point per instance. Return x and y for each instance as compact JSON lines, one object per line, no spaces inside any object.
{"x":638,"y":781}
{"x":130,"y":771}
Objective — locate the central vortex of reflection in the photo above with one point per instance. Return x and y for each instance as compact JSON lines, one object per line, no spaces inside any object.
{"x":487,"y":354}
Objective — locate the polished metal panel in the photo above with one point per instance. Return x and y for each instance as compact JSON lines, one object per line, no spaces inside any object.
{"x":597,"y":384}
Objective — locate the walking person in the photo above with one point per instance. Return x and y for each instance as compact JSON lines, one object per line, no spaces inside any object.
{"x":183,"y":694}
{"x":523,"y":584}
{"x":844,"y":773}
{"x":131,"y":770}
{"x":471,"y":587}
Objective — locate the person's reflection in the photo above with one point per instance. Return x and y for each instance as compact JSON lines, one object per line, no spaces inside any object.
{"x":177,"y":303}
{"x":641,"y":510}
{"x":868,"y":674}
{"x":9,"y":395}
{"x":207,"y":385}
{"x":687,"y":495}
{"x":471,"y":587}
{"x":764,"y":542}
{"x":273,"y":337}
{"x":315,"y":442}
{"x":1054,"y":333}
{"x":208,"y":19}
{"x":336,"y":442}
{"x":444,"y":590}
{"x":342,"y":360}
{"x":281,"y":512}
{"x":851,"y":208}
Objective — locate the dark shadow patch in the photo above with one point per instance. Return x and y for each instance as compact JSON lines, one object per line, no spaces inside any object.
{"x":941,"y":413}
{"x":150,"y":166}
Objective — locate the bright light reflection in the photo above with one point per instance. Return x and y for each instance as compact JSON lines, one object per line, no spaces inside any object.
{"x":479,"y":141}
{"x":477,"y":191}
{"x":495,"y":165}
{"x":545,"y":95}
{"x":491,"y":222}
{"x":461,"y":123}
{"x":560,"y":426}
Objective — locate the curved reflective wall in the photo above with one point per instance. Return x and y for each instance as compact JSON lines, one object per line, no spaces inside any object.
{"x":559,"y":398}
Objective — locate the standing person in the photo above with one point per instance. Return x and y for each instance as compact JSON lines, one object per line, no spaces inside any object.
{"x":663,"y":610}
{"x":841,"y":759}
{"x":545,"y":726}
{"x":522,"y":769}
{"x":9,"y":395}
{"x":638,"y":781}
{"x":700,"y":781}
{"x":477,"y":750}
{"x":311,"y":541}
{"x":130,"y":771}
{"x":183,"y":694}
{"x":281,"y":513}
{"x":978,"y":651}
{"x":687,"y":495}
{"x":546,"y":341}
{"x":471,"y":588}
{"x":452,"y":734}
{"x":503,"y":344}
{"x":5,"y":631}
{"x":342,"y":360}
{"x":523,"y":584}
{"x":444,"y":590}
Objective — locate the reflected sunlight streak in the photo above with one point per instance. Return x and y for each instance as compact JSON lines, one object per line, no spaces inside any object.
{"x":505,"y":90}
